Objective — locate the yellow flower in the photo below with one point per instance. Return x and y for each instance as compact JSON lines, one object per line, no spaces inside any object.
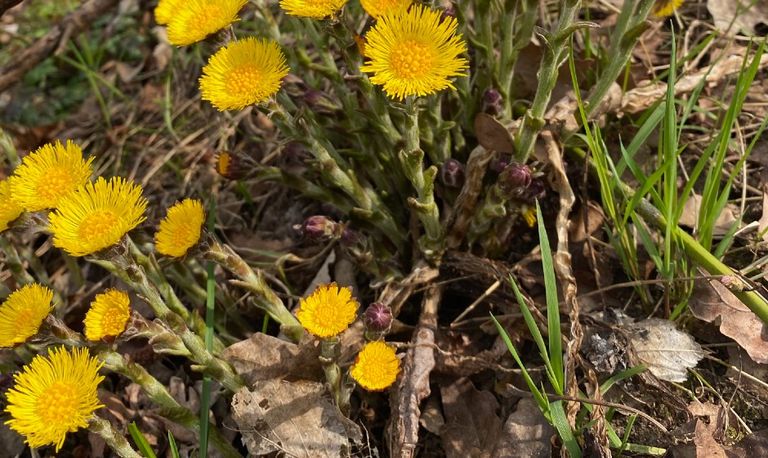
{"x":328,"y":310}
{"x":414,"y":52}
{"x":48,"y":174}
{"x":54,"y":395}
{"x":181,"y":228}
{"x":242,"y":73}
{"x":376,"y":366}
{"x":166,"y":9}
{"x":108,"y":315}
{"x":529,"y":215}
{"x":9,"y":209}
{"x":97,"y":216}
{"x":316,"y":9}
{"x":23,"y":312}
{"x":193,"y":20}
{"x":377,"y":8}
{"x":664,"y":8}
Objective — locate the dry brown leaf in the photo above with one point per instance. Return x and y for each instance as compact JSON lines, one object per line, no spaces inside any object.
{"x":713,"y":301}
{"x":492,"y":134}
{"x":690,"y":215}
{"x":738,"y":16}
{"x":472,"y":427}
{"x":295,"y":418}
{"x":665,"y":350}
{"x":526,"y":433}
{"x":264,"y":357}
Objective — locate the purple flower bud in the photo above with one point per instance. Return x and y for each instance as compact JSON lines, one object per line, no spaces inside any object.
{"x":452,"y":173}
{"x":499,"y":164}
{"x":349,"y":236}
{"x":515,"y":179}
{"x":492,"y":102}
{"x":378,"y":317}
{"x":318,"y":227}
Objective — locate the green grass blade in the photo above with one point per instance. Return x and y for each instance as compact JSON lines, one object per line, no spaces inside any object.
{"x":530,"y":322}
{"x":553,"y":307}
{"x":563,"y":428}
{"x":140,"y":441}
{"x":210,"y":302}
{"x":172,"y":444}
{"x":619,"y":376}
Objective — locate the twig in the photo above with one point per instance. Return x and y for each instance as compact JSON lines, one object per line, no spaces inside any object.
{"x":71,"y":25}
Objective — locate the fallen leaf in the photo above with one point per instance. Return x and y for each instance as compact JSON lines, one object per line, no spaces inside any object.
{"x":734,"y":16}
{"x":295,"y":418}
{"x":690,"y":216}
{"x":263,"y":357}
{"x":526,"y":433}
{"x":713,"y":301}
{"x":705,"y":443}
{"x":492,"y":134}
{"x":666,"y":351}
{"x":472,"y":426}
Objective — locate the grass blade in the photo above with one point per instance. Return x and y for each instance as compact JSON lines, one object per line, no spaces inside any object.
{"x":140,"y":441}
{"x":553,"y":307}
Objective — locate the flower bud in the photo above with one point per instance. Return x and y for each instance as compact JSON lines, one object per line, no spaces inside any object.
{"x":377,"y":317}
{"x":349,"y":236}
{"x":452,"y":173}
{"x":515,"y":179}
{"x":492,"y":102}
{"x":230,"y":165}
{"x":318,"y":227}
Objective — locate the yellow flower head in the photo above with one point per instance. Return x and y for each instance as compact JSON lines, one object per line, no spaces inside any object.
{"x":48,"y":174}
{"x":664,"y":8}
{"x":328,"y":311}
{"x":376,"y":366}
{"x":414,"y":52}
{"x":316,"y":9}
{"x":193,"y":20}
{"x":377,"y":8}
{"x":9,"y":209}
{"x":242,"y":73}
{"x":108,"y":315}
{"x":54,"y":395}
{"x":166,"y":10}
{"x":181,"y":228}
{"x":97,"y":216}
{"x":23,"y":312}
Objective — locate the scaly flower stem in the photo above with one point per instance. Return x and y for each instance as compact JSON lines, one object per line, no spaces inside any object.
{"x":329,"y":355}
{"x":518,"y":22}
{"x":158,"y":394}
{"x":263,"y":296}
{"x":555,"y":51}
{"x":423,"y":181}
{"x":114,"y":439}
{"x":14,"y":263}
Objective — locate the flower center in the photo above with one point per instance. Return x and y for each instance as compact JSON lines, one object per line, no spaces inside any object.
{"x":54,"y":185}
{"x":242,"y":79}
{"x":412,"y":59}
{"x":98,"y":224}
{"x":58,"y":403}
{"x":113,"y":322}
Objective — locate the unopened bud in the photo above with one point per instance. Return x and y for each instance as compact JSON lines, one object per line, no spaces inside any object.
{"x":492,"y":102}
{"x":318,"y":227}
{"x":349,"y":236}
{"x":452,"y":173}
{"x":515,"y":179}
{"x":377,"y":317}
{"x":230,"y":165}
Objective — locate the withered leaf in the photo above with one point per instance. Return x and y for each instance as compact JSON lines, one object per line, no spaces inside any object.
{"x":492,"y":134}
{"x":263,"y":357}
{"x":665,"y":350}
{"x":472,"y":427}
{"x":526,"y":433}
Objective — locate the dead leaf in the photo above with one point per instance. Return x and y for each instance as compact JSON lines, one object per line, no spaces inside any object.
{"x":295,"y":418}
{"x":526,"y":433}
{"x":666,"y":351}
{"x":734,"y":16}
{"x":264,"y":357}
{"x":492,"y":134}
{"x":472,"y":426}
{"x":690,"y":216}
{"x":713,"y":301}
{"x":580,"y":229}
{"x":704,"y":440}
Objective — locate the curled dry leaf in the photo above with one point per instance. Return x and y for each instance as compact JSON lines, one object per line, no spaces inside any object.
{"x":294,"y":418}
{"x":472,"y":426}
{"x":738,"y":16}
{"x":713,"y":301}
{"x":666,"y":351}
{"x":690,"y":216}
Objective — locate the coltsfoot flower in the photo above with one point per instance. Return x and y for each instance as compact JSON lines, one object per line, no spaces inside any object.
{"x":316,"y":9}
{"x":97,"y":216}
{"x":193,"y":20}
{"x":108,"y":315}
{"x":181,"y":228}
{"x":48,"y":174}
{"x":242,"y":73}
{"x":328,"y":311}
{"x":664,"y":8}
{"x":54,"y":395}
{"x":9,"y":209}
{"x":377,"y":8}
{"x":23,"y":312}
{"x":166,"y":10}
{"x":414,"y":52}
{"x":376,"y":366}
